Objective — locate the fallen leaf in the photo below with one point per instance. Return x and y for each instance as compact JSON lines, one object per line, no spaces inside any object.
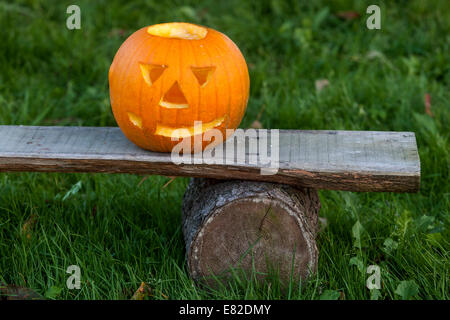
{"x":321,"y":84}
{"x":117,"y":32}
{"x":428,"y":105}
{"x":257,"y":125}
{"x":143,"y":179}
{"x":169,"y":182}
{"x":13,"y":292}
{"x":28,"y":225}
{"x":348,"y":15}
{"x":372,"y":54}
{"x":142,"y":292}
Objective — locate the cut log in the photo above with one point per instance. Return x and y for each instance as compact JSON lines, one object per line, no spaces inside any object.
{"x":249,"y":226}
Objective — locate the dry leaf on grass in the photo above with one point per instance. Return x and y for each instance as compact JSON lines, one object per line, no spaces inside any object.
{"x":142,"y":180}
{"x":428,"y":105}
{"x":117,"y":33}
{"x":256,"y":125}
{"x":13,"y":292}
{"x":321,"y":84}
{"x":142,"y":292}
{"x":348,"y":15}
{"x":169,"y":182}
{"x":373,"y":54}
{"x":28,"y":225}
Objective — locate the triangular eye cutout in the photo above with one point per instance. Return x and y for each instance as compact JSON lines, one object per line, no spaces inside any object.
{"x":151,"y":72}
{"x":203,"y":74}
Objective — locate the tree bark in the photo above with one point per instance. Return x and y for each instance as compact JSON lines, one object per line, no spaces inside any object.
{"x":249,"y":226}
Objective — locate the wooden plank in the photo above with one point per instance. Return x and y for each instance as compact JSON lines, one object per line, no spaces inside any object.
{"x":337,"y":160}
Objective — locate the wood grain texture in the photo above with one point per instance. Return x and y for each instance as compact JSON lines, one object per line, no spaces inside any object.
{"x":337,"y":160}
{"x":253,"y":226}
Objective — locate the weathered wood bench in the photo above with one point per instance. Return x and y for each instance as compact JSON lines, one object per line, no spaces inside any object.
{"x":238,"y":217}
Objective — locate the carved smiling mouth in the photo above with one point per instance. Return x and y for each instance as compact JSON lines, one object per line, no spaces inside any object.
{"x":183,"y":132}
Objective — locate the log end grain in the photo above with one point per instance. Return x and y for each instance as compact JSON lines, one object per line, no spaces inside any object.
{"x":252,"y":227}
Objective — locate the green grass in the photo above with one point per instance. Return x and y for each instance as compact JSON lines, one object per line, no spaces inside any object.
{"x":121,"y":233}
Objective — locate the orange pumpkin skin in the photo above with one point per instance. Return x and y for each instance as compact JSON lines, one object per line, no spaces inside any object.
{"x":159,"y":83}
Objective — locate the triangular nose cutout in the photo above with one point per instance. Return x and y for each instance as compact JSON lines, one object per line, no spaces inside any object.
{"x":174,"y":98}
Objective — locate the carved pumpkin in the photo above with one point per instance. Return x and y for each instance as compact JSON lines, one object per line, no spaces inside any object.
{"x":167,"y":76}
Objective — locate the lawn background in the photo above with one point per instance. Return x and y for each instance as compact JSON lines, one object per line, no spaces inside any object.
{"x":122,"y":231}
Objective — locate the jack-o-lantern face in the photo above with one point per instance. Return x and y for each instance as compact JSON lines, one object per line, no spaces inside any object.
{"x":166,"y":77}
